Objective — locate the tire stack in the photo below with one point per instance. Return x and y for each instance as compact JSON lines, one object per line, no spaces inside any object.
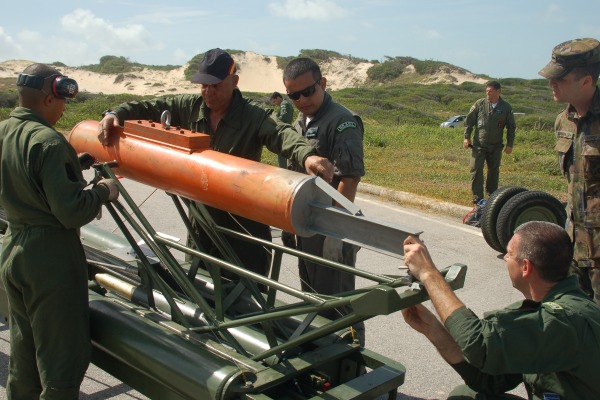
{"x":510,"y":206}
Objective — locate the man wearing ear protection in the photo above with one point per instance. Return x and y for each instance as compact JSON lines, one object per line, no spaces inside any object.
{"x":43,"y":265}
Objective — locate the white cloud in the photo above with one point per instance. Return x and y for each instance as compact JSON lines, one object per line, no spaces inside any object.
{"x":99,"y":33}
{"x":553,"y":13}
{"x":432,"y":34}
{"x":8,"y":48}
{"x":321,"y":10}
{"x":172,"y":15}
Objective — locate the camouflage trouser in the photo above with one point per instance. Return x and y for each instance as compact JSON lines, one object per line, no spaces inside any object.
{"x":463,"y":392}
{"x":492,"y":158}
{"x":589,"y":279}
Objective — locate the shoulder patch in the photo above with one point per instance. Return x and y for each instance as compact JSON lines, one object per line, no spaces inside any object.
{"x":552,"y":305}
{"x":344,"y":125}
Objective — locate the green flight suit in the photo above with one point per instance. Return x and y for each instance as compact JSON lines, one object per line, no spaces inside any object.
{"x":552,"y":347}
{"x":337,"y":134}
{"x":285,"y":113}
{"x":578,"y":147}
{"x":43,"y":265}
{"x":489,"y":123}
{"x":243,"y":131}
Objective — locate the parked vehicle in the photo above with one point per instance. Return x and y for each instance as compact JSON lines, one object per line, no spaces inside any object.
{"x":453,"y":122}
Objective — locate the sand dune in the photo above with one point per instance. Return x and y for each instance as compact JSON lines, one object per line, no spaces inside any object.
{"x":258,"y":73}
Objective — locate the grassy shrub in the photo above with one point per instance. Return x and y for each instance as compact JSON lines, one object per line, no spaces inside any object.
{"x":320,"y":56}
{"x":118,"y":65}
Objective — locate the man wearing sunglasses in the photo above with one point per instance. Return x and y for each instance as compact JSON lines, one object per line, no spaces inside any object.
{"x":43,"y":265}
{"x":336,"y":133}
{"x":236,"y":126}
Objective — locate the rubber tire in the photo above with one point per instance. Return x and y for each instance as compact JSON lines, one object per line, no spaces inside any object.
{"x":525,"y":207}
{"x":491,"y":211}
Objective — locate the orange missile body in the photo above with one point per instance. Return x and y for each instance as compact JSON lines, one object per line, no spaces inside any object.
{"x":181,"y":162}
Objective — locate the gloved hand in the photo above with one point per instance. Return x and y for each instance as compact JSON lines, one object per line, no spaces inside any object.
{"x":85,"y":160}
{"x":112,"y":187}
{"x":332,"y":249}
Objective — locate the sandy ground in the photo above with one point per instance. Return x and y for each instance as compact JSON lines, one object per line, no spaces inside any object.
{"x":257,"y":73}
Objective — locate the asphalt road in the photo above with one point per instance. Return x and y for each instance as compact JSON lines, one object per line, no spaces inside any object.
{"x":428,"y":377}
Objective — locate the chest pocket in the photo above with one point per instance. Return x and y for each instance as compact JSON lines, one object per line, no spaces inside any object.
{"x":498,"y":118}
{"x":591,"y":172}
{"x":591,"y":158}
{"x":564,"y":145}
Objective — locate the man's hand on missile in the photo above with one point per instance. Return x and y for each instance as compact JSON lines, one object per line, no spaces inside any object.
{"x":104,"y":127}
{"x":319,"y":166}
{"x":417,"y":258}
{"x":111,"y":185}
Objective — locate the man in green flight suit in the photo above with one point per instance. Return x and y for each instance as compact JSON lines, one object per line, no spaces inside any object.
{"x":488,"y":117}
{"x":43,"y":264}
{"x":573,"y":74}
{"x":337,"y":134}
{"x":549,"y":341}
{"x":285,"y":113}
{"x":236,"y":126}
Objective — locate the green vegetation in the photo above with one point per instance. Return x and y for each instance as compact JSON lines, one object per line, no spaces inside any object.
{"x":320,"y":56}
{"x":391,"y":69}
{"x":120,"y":65}
{"x":404,"y":147}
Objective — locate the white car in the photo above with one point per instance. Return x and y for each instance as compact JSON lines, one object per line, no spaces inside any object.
{"x":453,"y":122}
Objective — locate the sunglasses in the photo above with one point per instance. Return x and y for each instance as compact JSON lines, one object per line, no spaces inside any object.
{"x":307,"y":92}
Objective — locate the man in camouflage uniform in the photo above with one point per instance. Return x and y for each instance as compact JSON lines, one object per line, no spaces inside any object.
{"x":336,"y":134}
{"x":573,"y":74}
{"x":488,"y":116}
{"x":285,"y":113}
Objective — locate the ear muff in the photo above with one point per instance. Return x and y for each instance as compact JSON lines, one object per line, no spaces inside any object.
{"x":62,"y":86}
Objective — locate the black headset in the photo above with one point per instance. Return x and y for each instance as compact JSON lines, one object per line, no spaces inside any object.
{"x":62,"y":86}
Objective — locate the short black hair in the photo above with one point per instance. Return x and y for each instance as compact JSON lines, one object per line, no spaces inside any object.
{"x":495,"y":84}
{"x":28,"y":95}
{"x":592,"y":69}
{"x":276,"y":95}
{"x":300,"y":66}
{"x":548,"y":247}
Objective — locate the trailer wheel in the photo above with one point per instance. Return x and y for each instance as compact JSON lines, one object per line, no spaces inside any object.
{"x":525,"y":207}
{"x":491,"y":211}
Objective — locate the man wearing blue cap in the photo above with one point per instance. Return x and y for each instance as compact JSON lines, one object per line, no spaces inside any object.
{"x":236,"y":126}
{"x":573,"y":74}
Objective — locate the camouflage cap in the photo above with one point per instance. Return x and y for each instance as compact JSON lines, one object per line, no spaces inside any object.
{"x":571,"y":54}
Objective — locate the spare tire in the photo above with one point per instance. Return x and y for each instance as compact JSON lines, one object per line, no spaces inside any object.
{"x":491,"y":211}
{"x":525,"y":207}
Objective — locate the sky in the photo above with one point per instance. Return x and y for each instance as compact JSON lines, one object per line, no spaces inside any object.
{"x":505,"y":39}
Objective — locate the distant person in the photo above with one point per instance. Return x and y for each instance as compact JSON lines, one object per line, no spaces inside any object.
{"x":488,"y":117}
{"x":337,"y":134}
{"x":549,"y":341}
{"x":236,"y":126}
{"x":285,"y":113}
{"x":573,"y":74}
{"x":43,"y":265}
